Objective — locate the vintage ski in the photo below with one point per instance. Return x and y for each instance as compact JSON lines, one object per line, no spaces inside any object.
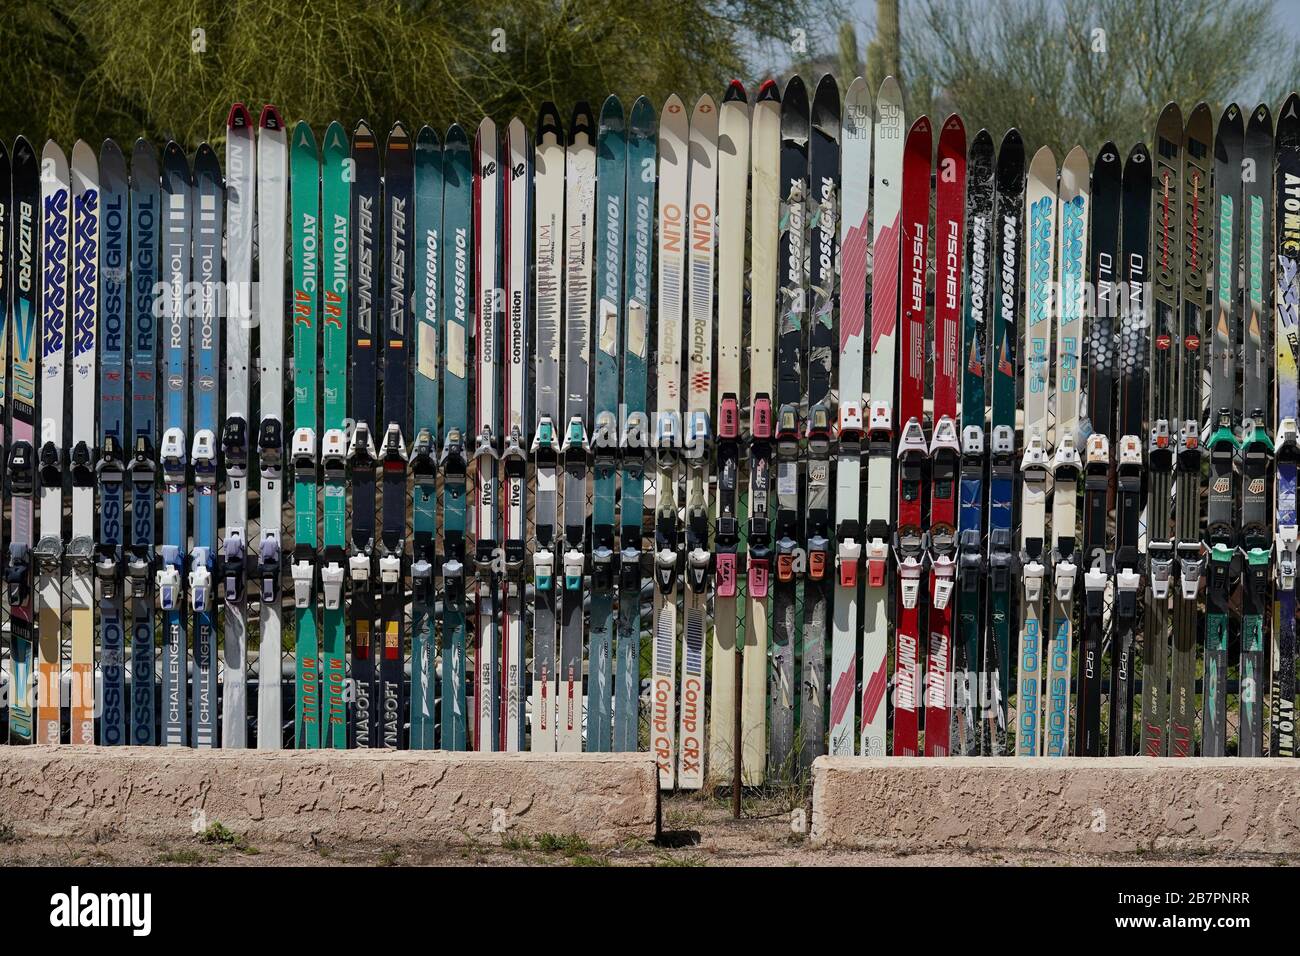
{"x":55,"y":210}
{"x":580,"y":201}
{"x":1222,"y":428}
{"x":516,"y":273}
{"x":85,"y":305}
{"x":177,"y":197}
{"x":1286,"y":345}
{"x":1255,"y":538}
{"x":205,"y":360}
{"x":1130,"y":465}
{"x":336,"y":188}
{"x":110,"y":468}
{"x":698,"y":436}
{"x":21,"y":463}
{"x":487,"y":431}
{"x":1197,"y":229}
{"x":855,"y":187}
{"x":887,"y":149}
{"x":457,"y":209}
{"x":361,"y":455}
{"x":241,"y":173}
{"x":673,"y":136}
{"x":909,"y":533}
{"x":1166,"y":215}
{"x":733,"y":181}
{"x":945,"y":447}
{"x":972,"y":486}
{"x":146,"y":230}
{"x":638,"y":258}
{"x":1040,"y":225}
{"x":548,"y":251}
{"x":426,"y":262}
{"x":611,"y":181}
{"x":304,"y":218}
{"x":1008,"y":285}
{"x":272,"y":181}
{"x":822,"y":208}
{"x":1074,"y":208}
{"x":764,"y":223}
{"x":399,"y":171}
{"x":1103,"y":255}
{"x":791,"y":558}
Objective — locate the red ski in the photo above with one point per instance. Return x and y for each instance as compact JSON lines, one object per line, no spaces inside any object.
{"x":945,"y":449}
{"x":909,"y":538}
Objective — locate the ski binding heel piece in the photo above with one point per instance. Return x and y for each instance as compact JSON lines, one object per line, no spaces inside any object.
{"x":269,"y":566}
{"x":1127,"y":584}
{"x":1094,"y":589}
{"x":331,"y":579}
{"x":573,"y":567}
{"x":543,"y":569}
{"x":1160,"y":566}
{"x":1065,"y":573}
{"x":1191,"y":560}
{"x":169,"y":577}
{"x":909,"y":579}
{"x":200,"y":577}
{"x":877,"y":562}
{"x":1287,"y":547}
{"x":943,"y":573}
{"x":1031,"y":571}
{"x":850,"y":556}
{"x":303,"y":571}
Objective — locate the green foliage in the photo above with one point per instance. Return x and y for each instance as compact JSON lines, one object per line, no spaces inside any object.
{"x":1085,"y":71}
{"x":171,"y":68}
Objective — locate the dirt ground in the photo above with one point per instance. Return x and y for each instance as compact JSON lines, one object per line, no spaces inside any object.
{"x":698,"y":830}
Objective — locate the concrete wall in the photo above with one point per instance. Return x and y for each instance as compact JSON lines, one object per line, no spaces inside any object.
{"x":1098,"y":806}
{"x":382,"y":796}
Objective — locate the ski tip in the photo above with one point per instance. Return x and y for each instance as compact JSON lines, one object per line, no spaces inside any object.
{"x":238,"y":117}
{"x":769,"y":91}
{"x":581,"y":124}
{"x":983,"y":140}
{"x":611,"y":111}
{"x":1261,"y":119}
{"x":53,"y":152}
{"x":175,"y":160}
{"x":795,"y":94}
{"x":1290,"y":108}
{"x":1170,"y":113}
{"x":704,"y":106}
{"x":398,"y":136}
{"x":270,"y":118}
{"x":735,"y":91}
{"x":1077,"y":157}
{"x":143,"y":153}
{"x":642,"y":117}
{"x":83,"y":156}
{"x":426,"y":138}
{"x":548,"y":123}
{"x":1013,"y":139}
{"x":336,"y":137}
{"x":23,"y":148}
{"x":363,"y":135}
{"x":303,"y":137}
{"x":206,"y":163}
{"x":920,"y":127}
{"x":1138,"y":154}
{"x":828,"y":90}
{"x":954,"y":124}
{"x":456,"y":137}
{"x":1230,"y":121}
{"x":890,"y":91}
